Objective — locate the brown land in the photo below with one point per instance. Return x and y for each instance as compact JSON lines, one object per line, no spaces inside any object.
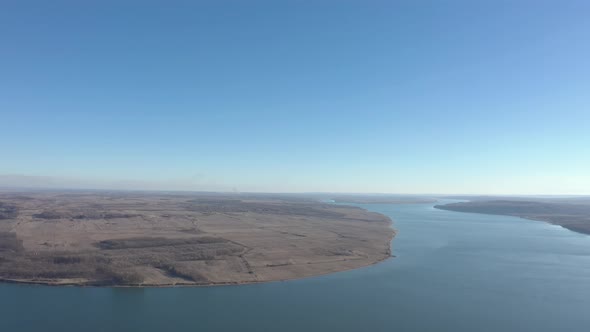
{"x":573,"y":214}
{"x":155,"y":239}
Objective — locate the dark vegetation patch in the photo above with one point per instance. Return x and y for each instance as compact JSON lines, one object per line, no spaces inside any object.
{"x":53,"y":265}
{"x":178,"y":271}
{"x":115,"y":267}
{"x":60,"y":214}
{"x":192,"y":230}
{"x":67,"y":260}
{"x":104,"y":215}
{"x":51,"y":215}
{"x":9,"y":242}
{"x":96,"y":268}
{"x":110,"y":275}
{"x":146,"y":242}
{"x":8,"y":211}
{"x":19,"y":197}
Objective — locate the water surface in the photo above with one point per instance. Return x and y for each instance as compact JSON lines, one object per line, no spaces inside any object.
{"x":452,"y":272}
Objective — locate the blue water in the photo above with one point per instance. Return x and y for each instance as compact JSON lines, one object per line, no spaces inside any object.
{"x":453,"y":272}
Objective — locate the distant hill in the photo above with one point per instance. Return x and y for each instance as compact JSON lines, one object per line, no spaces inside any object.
{"x":574,"y":216}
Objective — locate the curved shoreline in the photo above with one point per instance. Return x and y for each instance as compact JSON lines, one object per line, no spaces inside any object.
{"x":505,"y":208}
{"x":298,"y":266}
{"x":90,"y":285}
{"x":219,"y":284}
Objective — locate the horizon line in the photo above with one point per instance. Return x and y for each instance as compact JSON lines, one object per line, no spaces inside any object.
{"x":187,"y":191}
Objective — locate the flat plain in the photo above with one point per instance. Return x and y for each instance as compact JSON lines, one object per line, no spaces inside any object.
{"x":162,"y":239}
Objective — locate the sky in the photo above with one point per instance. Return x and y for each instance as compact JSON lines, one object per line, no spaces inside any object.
{"x":456,"y":97}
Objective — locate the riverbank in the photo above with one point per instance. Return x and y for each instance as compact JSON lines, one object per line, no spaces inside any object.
{"x":575,"y":217}
{"x":141,"y":240}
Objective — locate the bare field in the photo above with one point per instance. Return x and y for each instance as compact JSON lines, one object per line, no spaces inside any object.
{"x":156,"y":239}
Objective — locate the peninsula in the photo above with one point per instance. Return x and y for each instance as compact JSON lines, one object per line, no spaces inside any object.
{"x":157,"y":239}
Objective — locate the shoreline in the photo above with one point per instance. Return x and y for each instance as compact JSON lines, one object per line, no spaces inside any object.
{"x":547,"y":219}
{"x":57,"y":283}
{"x":181,"y":285}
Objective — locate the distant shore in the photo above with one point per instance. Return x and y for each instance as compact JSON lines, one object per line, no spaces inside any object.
{"x":575,"y":217}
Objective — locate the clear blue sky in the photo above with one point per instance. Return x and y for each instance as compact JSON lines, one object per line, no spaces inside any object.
{"x":279,"y":96}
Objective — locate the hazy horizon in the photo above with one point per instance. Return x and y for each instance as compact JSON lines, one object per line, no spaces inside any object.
{"x":43,"y":183}
{"x":460,"y":97}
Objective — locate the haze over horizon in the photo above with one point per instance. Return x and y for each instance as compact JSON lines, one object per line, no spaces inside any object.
{"x":459,"y":97}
